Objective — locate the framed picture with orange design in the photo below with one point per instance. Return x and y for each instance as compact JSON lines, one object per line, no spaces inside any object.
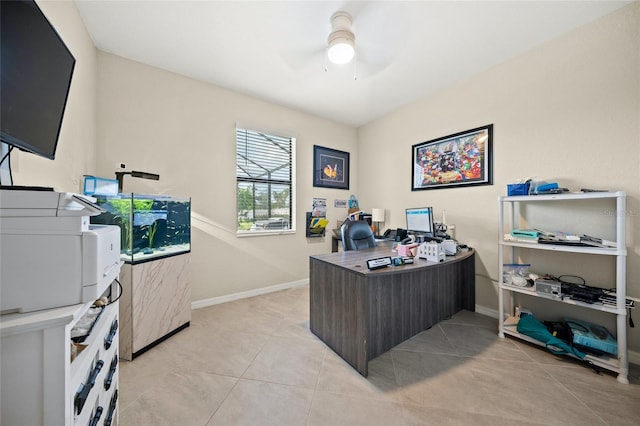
{"x":330,"y":168}
{"x":461,"y":159}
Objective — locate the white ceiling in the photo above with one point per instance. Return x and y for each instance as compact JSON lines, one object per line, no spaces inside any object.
{"x":275,"y":50}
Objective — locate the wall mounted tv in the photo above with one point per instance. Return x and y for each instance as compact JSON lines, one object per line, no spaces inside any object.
{"x":36,"y":69}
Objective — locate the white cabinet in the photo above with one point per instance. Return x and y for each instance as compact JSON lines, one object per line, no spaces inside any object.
{"x":42,"y":385}
{"x":54,"y":265}
{"x":514,"y":211}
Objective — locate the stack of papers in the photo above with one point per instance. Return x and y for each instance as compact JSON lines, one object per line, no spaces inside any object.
{"x":559,"y":237}
{"x":597,"y":242}
{"x":556,"y":237}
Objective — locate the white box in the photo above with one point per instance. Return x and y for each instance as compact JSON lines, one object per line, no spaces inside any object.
{"x":431,"y":251}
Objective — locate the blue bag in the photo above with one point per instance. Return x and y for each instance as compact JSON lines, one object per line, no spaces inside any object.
{"x":531,"y":327}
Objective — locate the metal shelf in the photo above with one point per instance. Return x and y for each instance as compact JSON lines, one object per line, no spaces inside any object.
{"x":566,"y":248}
{"x":599,"y":306}
{"x":507,"y":323}
{"x":562,"y":197}
{"x":610,"y":363}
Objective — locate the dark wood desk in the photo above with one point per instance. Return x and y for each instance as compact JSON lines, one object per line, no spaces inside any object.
{"x":334,"y":243}
{"x":361,"y":314}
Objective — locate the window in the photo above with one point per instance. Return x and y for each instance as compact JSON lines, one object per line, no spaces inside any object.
{"x":264,"y":177}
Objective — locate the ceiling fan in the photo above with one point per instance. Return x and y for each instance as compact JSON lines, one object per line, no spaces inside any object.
{"x":372,"y":31}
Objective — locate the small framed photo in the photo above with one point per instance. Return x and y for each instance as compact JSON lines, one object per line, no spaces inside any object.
{"x":461,"y":159}
{"x":330,"y":168}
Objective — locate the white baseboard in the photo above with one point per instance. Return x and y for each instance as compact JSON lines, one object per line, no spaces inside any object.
{"x":493,"y":313}
{"x":634,"y":357}
{"x":246,"y":294}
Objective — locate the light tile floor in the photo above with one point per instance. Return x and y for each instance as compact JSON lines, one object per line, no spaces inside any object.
{"x":255,"y":362}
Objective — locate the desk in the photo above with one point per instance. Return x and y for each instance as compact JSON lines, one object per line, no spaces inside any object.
{"x":334,"y":243}
{"x":361,"y":314}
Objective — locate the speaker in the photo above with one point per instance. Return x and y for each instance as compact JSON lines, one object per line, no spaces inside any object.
{"x":401,"y":234}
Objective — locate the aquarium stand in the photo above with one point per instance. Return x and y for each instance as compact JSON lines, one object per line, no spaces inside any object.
{"x":155,"y":302}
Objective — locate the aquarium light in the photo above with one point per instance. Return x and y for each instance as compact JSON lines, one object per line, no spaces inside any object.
{"x":133,"y":173}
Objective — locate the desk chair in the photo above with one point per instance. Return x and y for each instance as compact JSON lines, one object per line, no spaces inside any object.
{"x":357,"y":235}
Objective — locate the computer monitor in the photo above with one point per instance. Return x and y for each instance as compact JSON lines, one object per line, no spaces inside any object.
{"x":420,"y":221}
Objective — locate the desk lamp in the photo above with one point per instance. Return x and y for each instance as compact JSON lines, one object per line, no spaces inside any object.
{"x":377,"y":216}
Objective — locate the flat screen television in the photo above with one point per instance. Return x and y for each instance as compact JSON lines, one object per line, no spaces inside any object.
{"x":36,"y":69}
{"x":420,"y":221}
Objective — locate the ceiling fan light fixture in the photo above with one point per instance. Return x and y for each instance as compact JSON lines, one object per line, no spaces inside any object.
{"x":341,"y":41}
{"x":341,"y":47}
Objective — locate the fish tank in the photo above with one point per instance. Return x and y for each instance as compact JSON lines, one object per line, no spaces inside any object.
{"x":151,"y":226}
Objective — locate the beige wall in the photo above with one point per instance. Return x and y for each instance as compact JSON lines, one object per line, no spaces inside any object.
{"x":75,"y":154}
{"x":156,"y":121}
{"x":568,"y":111}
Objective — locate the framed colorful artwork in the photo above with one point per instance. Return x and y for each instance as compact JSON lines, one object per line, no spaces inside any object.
{"x":461,"y":159}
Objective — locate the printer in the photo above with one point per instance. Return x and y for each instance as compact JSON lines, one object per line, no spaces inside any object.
{"x":51,"y":255}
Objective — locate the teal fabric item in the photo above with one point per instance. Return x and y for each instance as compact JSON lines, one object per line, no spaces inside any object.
{"x":533,"y":328}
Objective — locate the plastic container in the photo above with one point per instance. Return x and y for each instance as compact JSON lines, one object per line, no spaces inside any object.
{"x":518,"y":189}
{"x":99,"y":186}
{"x":516,"y":274}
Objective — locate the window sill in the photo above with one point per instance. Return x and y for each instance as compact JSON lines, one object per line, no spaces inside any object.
{"x":243,"y":234}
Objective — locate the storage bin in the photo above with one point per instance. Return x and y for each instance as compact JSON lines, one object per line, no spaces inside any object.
{"x":99,"y":186}
{"x":518,"y":189}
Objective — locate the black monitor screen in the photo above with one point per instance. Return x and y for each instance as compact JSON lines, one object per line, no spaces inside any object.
{"x":420,"y":220}
{"x":36,"y":70}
